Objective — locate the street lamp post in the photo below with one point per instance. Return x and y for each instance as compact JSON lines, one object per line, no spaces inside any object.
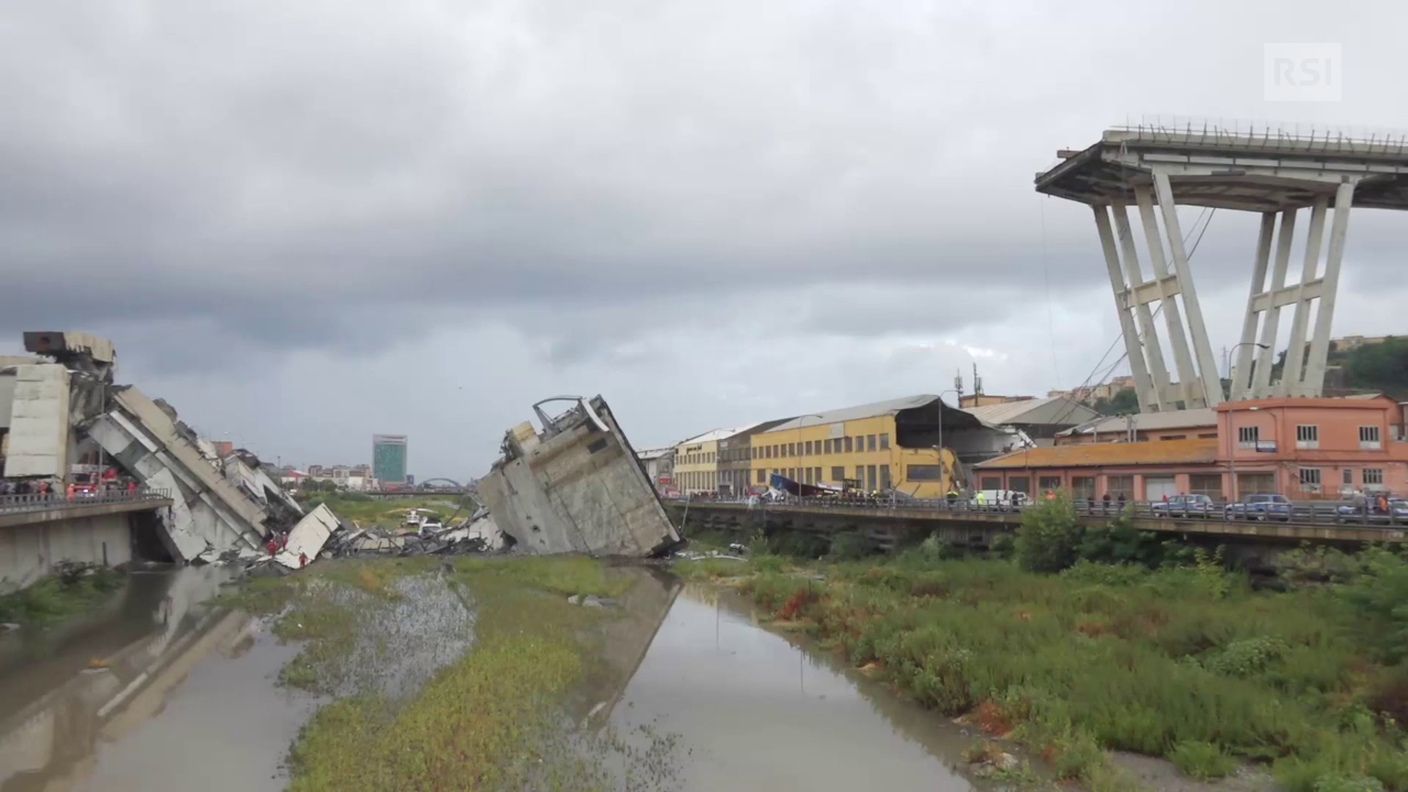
{"x":1231,"y":427}
{"x":1227,"y":360}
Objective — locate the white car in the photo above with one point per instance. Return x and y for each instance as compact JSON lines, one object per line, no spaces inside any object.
{"x":1001,"y":500}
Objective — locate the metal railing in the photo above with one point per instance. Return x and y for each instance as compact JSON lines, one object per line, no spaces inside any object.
{"x":1252,"y":134}
{"x":61,"y":500}
{"x":1296,"y":512}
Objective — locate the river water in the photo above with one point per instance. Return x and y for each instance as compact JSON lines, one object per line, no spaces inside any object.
{"x":188,"y":700}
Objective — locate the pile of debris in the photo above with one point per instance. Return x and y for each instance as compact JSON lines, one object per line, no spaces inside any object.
{"x":478,"y":534}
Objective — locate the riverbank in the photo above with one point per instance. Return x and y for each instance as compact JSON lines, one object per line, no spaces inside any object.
{"x":1185,"y":663}
{"x":60,"y":596}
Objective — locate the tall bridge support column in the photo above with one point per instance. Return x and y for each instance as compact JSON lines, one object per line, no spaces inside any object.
{"x":1267,"y":170}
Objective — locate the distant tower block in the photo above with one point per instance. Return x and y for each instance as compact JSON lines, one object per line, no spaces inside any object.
{"x":1271,"y":170}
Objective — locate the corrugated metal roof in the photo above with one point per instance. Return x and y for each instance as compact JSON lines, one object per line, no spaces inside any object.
{"x":888,"y":407}
{"x":1173,"y":419}
{"x":1157,"y":452}
{"x":715,"y":434}
{"x":1053,"y":409}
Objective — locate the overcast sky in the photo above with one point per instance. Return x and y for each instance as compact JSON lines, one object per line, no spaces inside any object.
{"x":303,"y":223}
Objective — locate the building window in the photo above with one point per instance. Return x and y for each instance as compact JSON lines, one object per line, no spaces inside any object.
{"x":1048,"y":483}
{"x":884,"y":441}
{"x":1022,"y":484}
{"x":846,"y":441}
{"x":811,"y":447}
{"x":1307,"y":436}
{"x":1209,"y":484}
{"x":1207,"y":435}
{"x":860,"y":443}
{"x":1310,"y":479}
{"x":1248,"y":436}
{"x":870,"y":442}
{"x":870,"y":478}
{"x":791,"y":449}
{"x":762,"y":476}
{"x":1349,"y":477}
{"x":1373,"y":477}
{"x":860,"y":475}
{"x":934,"y":473}
{"x":1369,"y":437}
{"x":884,"y":477}
{"x":1122,"y":485}
{"x":826,"y":446}
{"x":838,"y":474}
{"x":989,"y":482}
{"x":1083,"y":488}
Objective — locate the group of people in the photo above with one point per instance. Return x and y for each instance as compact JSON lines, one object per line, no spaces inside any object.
{"x":27,"y":487}
{"x":51,"y":488}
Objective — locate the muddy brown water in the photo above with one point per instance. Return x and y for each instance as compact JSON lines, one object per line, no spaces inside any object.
{"x":190,"y":700}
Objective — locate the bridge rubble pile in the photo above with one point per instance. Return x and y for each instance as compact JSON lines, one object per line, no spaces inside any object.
{"x":576,"y":487}
{"x":477,"y":534}
{"x":223,"y":507}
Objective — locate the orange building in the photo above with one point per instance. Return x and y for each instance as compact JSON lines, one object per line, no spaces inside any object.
{"x":1302,"y":448}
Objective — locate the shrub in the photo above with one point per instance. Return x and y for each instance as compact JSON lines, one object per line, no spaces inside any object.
{"x":1049,"y":536}
{"x":1201,"y":760}
{"x":1106,"y":574}
{"x":1075,"y":755}
{"x":1334,"y":783}
{"x":1119,"y":542}
{"x":851,"y":546}
{"x":1380,"y":597}
{"x":1003,"y":546}
{"x":1246,"y":657}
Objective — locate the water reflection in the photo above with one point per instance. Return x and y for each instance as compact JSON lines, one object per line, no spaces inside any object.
{"x":757,"y":710}
{"x":55,"y":711}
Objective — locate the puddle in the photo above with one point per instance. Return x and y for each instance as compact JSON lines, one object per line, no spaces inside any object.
{"x":401,"y":644}
{"x":753,"y":710}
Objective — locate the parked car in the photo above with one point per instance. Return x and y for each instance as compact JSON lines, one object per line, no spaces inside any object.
{"x":1183,"y":506}
{"x":1262,"y":506}
{"x":1364,"y":510}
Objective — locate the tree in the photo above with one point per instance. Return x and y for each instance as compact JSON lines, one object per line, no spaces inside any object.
{"x":1382,"y":366}
{"x":1049,"y":535}
{"x":1124,"y":402}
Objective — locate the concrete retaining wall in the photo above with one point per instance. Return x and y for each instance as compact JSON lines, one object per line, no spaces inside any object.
{"x":29,"y":552}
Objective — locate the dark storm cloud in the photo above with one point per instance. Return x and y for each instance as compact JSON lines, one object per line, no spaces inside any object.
{"x":233,"y":184}
{"x":226,"y":162}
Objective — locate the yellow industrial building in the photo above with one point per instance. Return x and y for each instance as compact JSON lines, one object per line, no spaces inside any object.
{"x":872,"y":447}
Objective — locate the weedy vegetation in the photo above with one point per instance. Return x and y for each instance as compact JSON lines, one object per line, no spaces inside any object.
{"x":1092,"y":640}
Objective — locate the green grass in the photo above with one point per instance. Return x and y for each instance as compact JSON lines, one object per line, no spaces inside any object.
{"x":1184,"y":663}
{"x":1201,"y":760}
{"x":492,"y":719}
{"x":51,"y":599}
{"x":387,"y":513}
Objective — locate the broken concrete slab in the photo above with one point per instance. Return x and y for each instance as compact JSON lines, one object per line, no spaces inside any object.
{"x":209,"y":510}
{"x":576,"y":487}
{"x":308,"y":537}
